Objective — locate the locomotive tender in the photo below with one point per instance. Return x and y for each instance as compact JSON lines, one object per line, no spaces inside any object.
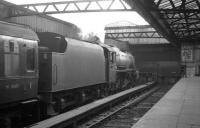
{"x":56,"y":71}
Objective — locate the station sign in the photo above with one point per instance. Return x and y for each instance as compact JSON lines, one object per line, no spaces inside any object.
{"x":187,"y":53}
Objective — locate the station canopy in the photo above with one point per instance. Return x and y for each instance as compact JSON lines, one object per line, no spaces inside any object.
{"x":177,"y":20}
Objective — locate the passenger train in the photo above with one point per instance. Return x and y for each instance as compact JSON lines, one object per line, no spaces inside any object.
{"x":43,"y":74}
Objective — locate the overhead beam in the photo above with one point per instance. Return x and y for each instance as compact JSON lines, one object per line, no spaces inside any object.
{"x":173,"y":11}
{"x":76,"y":6}
{"x":129,"y":27}
{"x":120,"y":35}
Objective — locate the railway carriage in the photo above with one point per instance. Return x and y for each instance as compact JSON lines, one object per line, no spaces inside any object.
{"x":19,"y":60}
{"x":18,"y":68}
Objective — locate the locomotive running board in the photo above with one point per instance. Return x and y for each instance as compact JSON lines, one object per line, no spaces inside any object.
{"x":29,"y":101}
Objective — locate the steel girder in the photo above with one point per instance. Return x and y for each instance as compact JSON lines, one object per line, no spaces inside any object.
{"x":128,"y":32}
{"x":128,"y":35}
{"x":117,"y":35}
{"x":73,"y":6}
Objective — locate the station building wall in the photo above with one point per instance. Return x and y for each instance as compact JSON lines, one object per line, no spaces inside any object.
{"x":46,"y":23}
{"x":163,"y":59}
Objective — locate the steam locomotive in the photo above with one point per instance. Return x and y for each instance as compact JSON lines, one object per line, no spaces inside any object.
{"x":45,"y":73}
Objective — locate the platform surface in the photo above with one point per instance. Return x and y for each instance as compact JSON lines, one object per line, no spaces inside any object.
{"x":179,"y":108}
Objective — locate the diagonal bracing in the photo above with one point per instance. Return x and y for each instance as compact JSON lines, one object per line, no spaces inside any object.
{"x":75,"y":6}
{"x":118,"y":35}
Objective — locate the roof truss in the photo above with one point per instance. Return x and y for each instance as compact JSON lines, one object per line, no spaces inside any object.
{"x":128,"y":32}
{"x":176,"y":20}
{"x":74,"y":6}
{"x":182,"y":16}
{"x":150,"y":34}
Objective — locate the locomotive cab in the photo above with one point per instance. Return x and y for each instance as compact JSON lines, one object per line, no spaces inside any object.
{"x":110,"y":56}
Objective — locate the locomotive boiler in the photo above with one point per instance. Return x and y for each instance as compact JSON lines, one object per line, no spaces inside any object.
{"x":126,"y":72}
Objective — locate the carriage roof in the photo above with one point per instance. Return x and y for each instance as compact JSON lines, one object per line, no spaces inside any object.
{"x":16,"y":30}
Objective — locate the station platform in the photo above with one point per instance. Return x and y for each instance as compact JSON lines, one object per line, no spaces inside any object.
{"x":179,"y":108}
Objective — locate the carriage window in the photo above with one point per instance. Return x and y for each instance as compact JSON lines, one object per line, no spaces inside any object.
{"x":11,"y":46}
{"x":30,"y":59}
{"x":1,"y":58}
{"x":114,"y":57}
{"x":1,"y":45}
{"x":111,"y":57}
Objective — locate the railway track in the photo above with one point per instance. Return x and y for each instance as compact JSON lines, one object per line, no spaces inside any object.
{"x":128,"y":115}
{"x":96,"y":121}
{"x":92,"y":114}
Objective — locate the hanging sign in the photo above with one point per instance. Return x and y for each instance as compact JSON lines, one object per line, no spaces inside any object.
{"x":187,"y":54}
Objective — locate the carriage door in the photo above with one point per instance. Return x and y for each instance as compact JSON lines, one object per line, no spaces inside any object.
{"x":112,"y":67}
{"x":30,"y":81}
